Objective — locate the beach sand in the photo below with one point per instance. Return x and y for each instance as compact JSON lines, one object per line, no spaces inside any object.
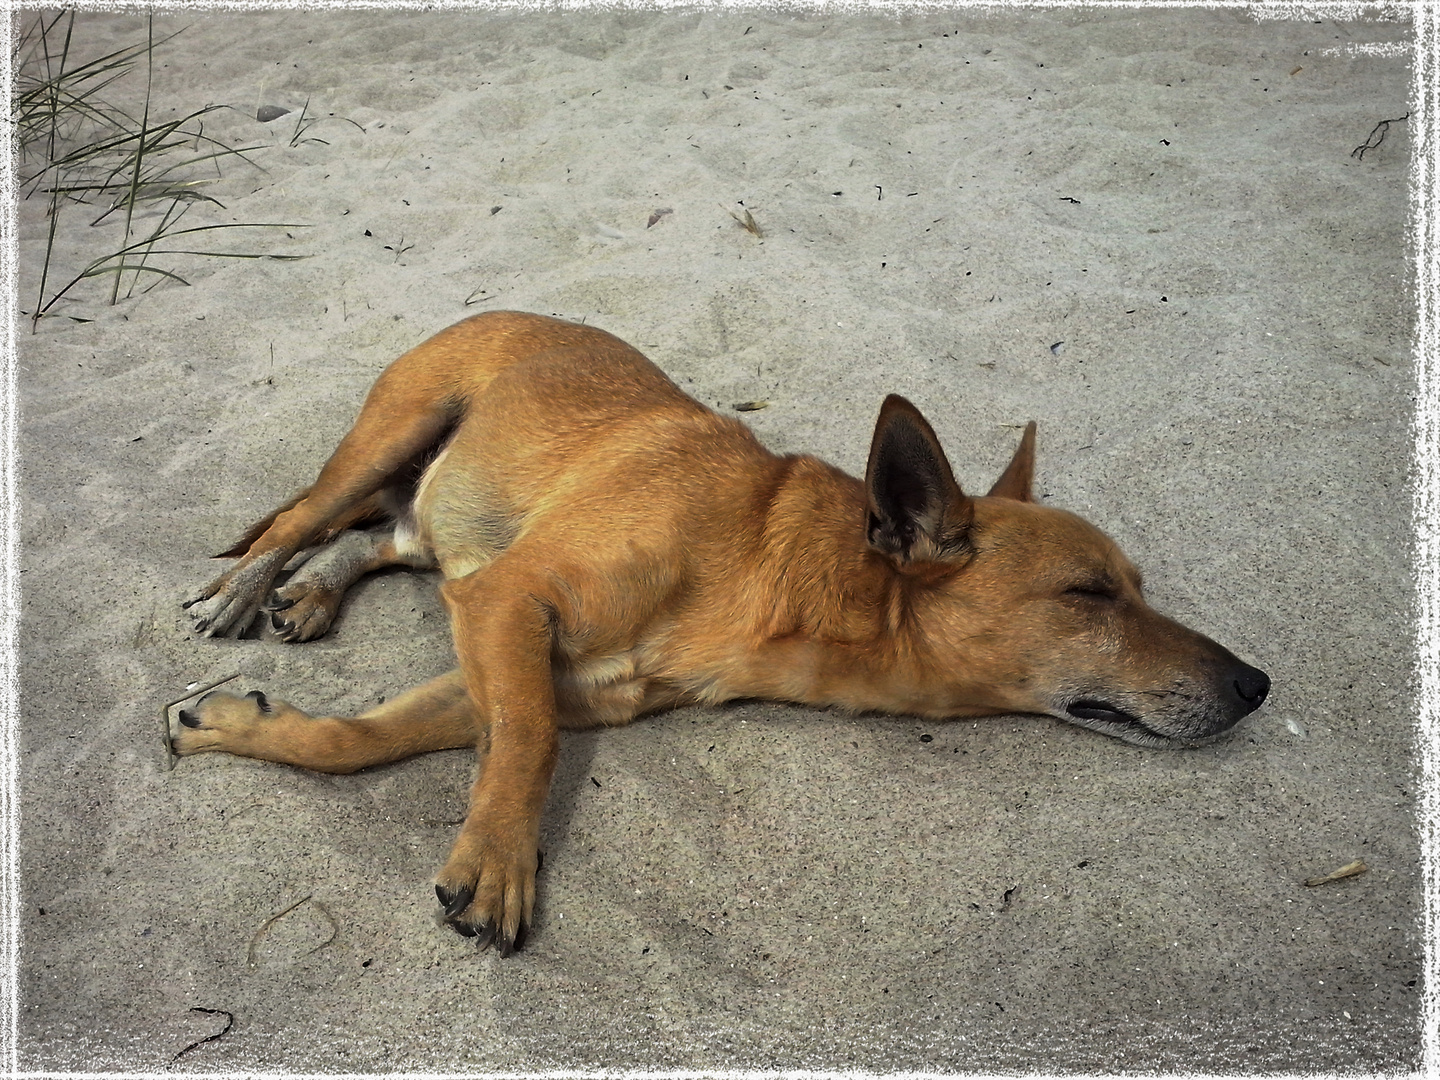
{"x":1145,"y":230}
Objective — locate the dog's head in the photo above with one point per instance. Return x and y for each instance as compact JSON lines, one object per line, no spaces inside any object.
{"x":1016,"y":607}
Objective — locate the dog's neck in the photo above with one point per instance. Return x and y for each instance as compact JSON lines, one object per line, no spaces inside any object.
{"x":834,"y":588}
{"x":844,"y":614}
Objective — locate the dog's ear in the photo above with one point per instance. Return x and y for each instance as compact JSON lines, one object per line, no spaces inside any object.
{"x":916,"y":509}
{"x":1015,"y":482}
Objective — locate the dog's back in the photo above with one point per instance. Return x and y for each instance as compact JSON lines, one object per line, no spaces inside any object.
{"x":580,"y":431}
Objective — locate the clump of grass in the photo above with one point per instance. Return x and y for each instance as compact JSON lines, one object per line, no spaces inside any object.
{"x":306,"y":121}
{"x":78,"y":149}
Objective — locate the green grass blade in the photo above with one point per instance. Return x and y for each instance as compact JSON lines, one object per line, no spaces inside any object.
{"x":135,"y":268}
{"x":139,"y":148}
{"x":96,"y":153}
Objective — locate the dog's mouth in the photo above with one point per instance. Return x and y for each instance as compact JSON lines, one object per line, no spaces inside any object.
{"x":1104,"y":717}
{"x":1090,"y":709}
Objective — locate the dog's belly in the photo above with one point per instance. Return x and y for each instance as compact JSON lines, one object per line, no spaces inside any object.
{"x":456,"y":518}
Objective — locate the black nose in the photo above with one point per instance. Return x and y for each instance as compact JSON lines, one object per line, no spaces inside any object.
{"x":1251,"y":686}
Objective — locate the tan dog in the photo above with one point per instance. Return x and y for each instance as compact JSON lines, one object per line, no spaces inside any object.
{"x":611,"y":547}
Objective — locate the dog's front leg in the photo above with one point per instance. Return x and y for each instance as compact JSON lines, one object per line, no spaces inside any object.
{"x":502,"y":627}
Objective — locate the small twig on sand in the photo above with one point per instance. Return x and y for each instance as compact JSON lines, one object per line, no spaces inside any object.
{"x":1348,"y":870}
{"x":334,"y":926}
{"x":255,"y":941}
{"x":165,"y":715}
{"x":271,"y":921}
{"x":1376,"y":137}
{"x":229,"y":1023}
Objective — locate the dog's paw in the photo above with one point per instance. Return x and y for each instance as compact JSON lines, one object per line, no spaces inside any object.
{"x":300,"y":611}
{"x":487,"y":889}
{"x":224,"y":722}
{"x":229,"y":603}
{"x":221,"y":614}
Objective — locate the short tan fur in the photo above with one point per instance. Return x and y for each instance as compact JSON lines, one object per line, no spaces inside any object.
{"x":610,"y":547}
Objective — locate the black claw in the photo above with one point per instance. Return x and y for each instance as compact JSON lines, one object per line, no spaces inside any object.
{"x":456,"y":902}
{"x":462,"y":929}
{"x":260,"y":700}
{"x":539,"y":865}
{"x":189,"y":719}
{"x":202,"y":625}
{"x":278,"y":603}
{"x":505,"y":946}
{"x":486,"y":936}
{"x":188,"y":604}
{"x":277,"y":623}
{"x":520,"y":936}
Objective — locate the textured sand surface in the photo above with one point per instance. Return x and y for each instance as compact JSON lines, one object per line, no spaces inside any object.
{"x":944,"y":200}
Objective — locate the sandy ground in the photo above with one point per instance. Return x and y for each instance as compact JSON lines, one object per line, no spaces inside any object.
{"x":944,"y":198}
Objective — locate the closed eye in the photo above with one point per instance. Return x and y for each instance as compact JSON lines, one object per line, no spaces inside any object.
{"x":1093,"y":591}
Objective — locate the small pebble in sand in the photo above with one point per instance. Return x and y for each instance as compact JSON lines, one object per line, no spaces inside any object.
{"x":266,"y":113}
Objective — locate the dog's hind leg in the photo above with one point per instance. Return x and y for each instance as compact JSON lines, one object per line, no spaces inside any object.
{"x":305,"y":605}
{"x":409,"y":409}
{"x":414,"y":403}
{"x":437,"y":715}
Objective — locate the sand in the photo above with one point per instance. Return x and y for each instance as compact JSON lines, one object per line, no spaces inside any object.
{"x":1145,"y":230}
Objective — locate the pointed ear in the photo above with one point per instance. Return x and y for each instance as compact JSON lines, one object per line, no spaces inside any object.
{"x":916,"y":510}
{"x":1015,"y":482}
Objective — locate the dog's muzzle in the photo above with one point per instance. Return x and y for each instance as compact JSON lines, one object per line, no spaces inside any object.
{"x":1227,"y":698}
